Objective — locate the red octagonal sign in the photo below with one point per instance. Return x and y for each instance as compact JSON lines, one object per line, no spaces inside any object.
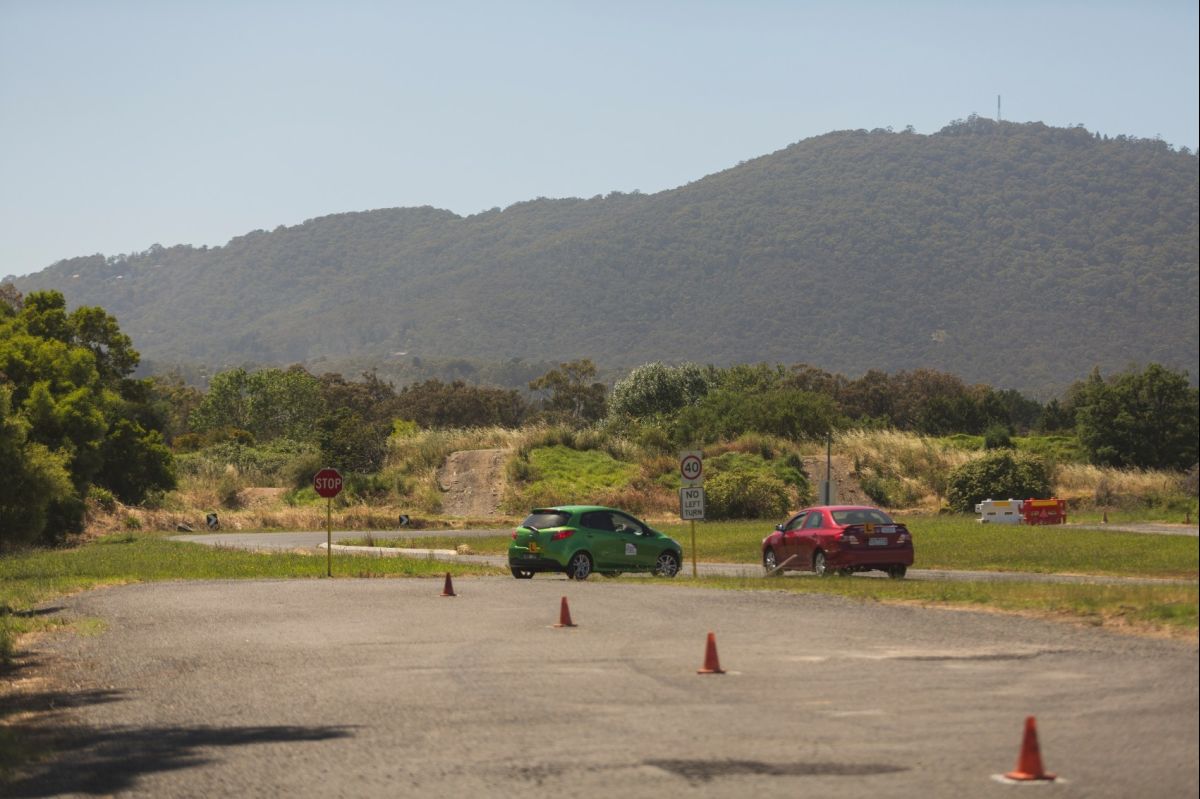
{"x":328,"y":483}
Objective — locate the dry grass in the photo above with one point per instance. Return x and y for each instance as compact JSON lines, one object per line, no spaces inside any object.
{"x":414,"y":460}
{"x":910,"y":470}
{"x":429,"y":448}
{"x":914,"y":469}
{"x":1108,"y":487}
{"x":277,"y":518}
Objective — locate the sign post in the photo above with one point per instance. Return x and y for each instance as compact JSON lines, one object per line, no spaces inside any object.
{"x":691,"y":492}
{"x":328,"y":483}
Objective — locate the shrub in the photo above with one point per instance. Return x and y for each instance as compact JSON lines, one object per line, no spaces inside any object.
{"x":299,"y":497}
{"x":744,"y":494}
{"x":997,"y":437}
{"x":654,"y":439}
{"x":656,"y":389}
{"x":405,"y":428}
{"x":188,"y":442}
{"x":229,"y":489}
{"x":1001,"y":474}
{"x":260,"y":465}
{"x":103,"y":498}
{"x":359,"y":486}
{"x":1054,"y":449}
{"x":728,"y":413}
{"x":298,"y":472}
{"x":878,"y":489}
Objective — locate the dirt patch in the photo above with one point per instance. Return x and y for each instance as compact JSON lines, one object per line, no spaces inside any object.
{"x":260,"y":497}
{"x":474,"y":482}
{"x":847,"y":489}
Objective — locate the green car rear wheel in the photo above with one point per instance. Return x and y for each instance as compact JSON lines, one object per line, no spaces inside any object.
{"x":579,"y":567}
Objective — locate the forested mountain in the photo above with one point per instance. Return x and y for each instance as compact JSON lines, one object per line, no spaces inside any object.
{"x":1014,"y":254}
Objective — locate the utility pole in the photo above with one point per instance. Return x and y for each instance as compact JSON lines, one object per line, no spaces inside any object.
{"x":828,"y":487}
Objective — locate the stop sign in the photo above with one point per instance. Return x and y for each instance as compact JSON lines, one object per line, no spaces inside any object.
{"x":328,"y":483}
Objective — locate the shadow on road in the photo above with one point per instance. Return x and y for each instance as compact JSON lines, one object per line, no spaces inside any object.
{"x":110,"y":760}
{"x":79,"y":759}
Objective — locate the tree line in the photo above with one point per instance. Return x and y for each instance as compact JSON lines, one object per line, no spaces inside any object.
{"x":75,"y":425}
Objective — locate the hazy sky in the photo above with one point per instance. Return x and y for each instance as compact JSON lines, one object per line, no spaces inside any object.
{"x":126,"y":124}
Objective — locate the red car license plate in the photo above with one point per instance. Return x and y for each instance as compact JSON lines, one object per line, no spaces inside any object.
{"x":877,"y":542}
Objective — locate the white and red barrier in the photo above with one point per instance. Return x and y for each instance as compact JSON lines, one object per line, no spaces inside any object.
{"x":1016,"y":511}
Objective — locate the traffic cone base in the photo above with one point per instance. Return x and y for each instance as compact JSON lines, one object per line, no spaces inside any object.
{"x":712,"y":665}
{"x":448,"y":589}
{"x":564,"y":615}
{"x":1029,"y":762}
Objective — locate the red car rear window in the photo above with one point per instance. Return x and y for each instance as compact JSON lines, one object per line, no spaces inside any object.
{"x":860,"y":516}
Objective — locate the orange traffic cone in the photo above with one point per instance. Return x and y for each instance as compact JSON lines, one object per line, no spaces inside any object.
{"x":564,"y":615}
{"x":1029,"y":763}
{"x":711,"y":664}
{"x":448,"y":590}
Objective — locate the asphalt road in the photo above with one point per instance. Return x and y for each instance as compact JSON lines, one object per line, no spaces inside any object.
{"x":313,"y":540}
{"x":365,"y":688}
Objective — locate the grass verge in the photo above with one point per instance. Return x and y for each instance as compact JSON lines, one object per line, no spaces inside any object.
{"x":1169,"y":609}
{"x":35,"y":577}
{"x":956,"y":542}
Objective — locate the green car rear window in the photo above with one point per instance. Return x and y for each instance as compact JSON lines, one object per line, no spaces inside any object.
{"x":546,"y":518}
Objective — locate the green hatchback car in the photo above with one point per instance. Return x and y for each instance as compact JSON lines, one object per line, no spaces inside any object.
{"x":581,"y":539}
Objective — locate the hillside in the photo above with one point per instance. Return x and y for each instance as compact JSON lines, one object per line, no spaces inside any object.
{"x":1016,"y":254}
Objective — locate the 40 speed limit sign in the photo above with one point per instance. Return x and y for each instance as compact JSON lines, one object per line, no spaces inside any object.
{"x":691,"y":468}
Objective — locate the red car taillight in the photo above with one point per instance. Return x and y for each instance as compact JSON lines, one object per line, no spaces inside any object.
{"x":561,"y":534}
{"x":903,"y":538}
{"x":514,"y":535}
{"x":850,"y":535}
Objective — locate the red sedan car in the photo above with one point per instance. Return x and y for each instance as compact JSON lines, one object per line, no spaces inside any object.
{"x":842,"y":539}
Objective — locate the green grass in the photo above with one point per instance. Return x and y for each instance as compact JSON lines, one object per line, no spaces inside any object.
{"x":1065,"y":449}
{"x":32,"y":578}
{"x":946,"y":542}
{"x":1159,"y":514}
{"x":1144,"y":607}
{"x":561,"y":471}
{"x":959,"y":542}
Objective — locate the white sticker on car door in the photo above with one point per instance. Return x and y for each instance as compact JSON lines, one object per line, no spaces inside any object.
{"x":630,"y":549}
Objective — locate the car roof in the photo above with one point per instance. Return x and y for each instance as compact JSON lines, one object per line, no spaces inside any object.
{"x":571,"y":508}
{"x":838,"y":507}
